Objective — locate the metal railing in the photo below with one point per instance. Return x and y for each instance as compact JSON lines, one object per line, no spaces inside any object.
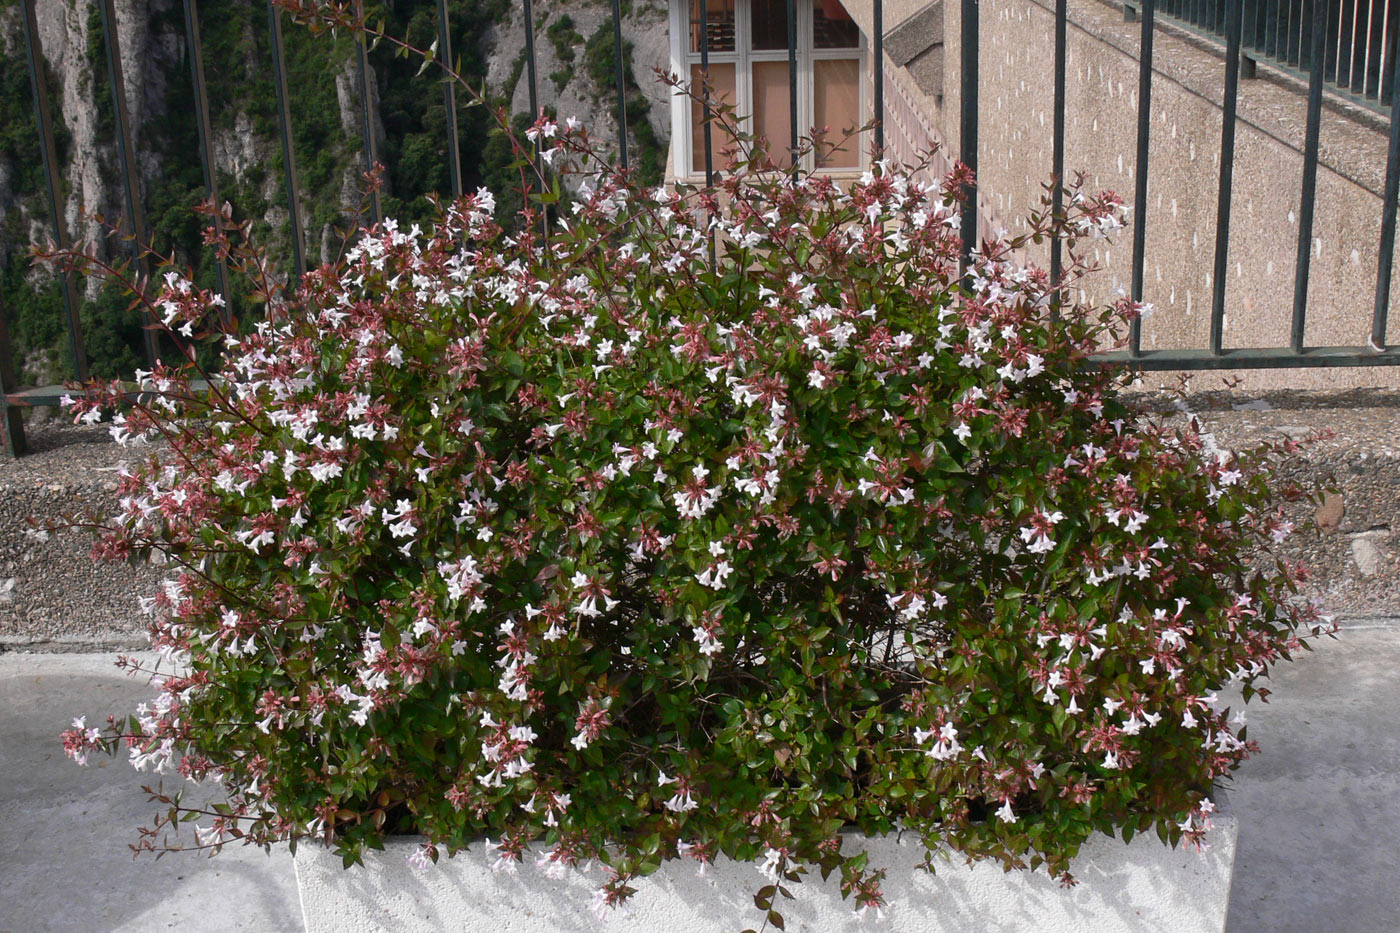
{"x":1229,"y":13}
{"x":1296,"y":353}
{"x":1358,"y":49}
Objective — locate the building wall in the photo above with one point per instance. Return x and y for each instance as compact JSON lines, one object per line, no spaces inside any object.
{"x":1014,"y":155}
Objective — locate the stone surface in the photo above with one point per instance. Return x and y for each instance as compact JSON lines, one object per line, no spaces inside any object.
{"x":1319,"y":806}
{"x":1145,"y":886}
{"x":1329,"y":514}
{"x":1349,"y":461}
{"x":914,"y":36}
{"x":1368,"y":552}
{"x":64,"y":829}
{"x":59,"y":596}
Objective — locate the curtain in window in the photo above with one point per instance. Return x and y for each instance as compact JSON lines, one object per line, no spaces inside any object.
{"x":722,"y":89}
{"x":836,"y":105}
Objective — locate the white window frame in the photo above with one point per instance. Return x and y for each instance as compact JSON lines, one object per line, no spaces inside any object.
{"x":682,"y":59}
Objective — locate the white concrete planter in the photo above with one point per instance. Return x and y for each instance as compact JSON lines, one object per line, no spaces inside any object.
{"x":1143,"y":886}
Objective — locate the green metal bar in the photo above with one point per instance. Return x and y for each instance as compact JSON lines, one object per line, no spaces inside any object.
{"x":126,"y":155}
{"x":51,"y":396}
{"x":449,"y":100}
{"x":54,"y":181}
{"x":366,"y":103}
{"x":621,"y":84}
{"x":879,"y":56}
{"x":201,"y":107}
{"x":967,"y":122}
{"x":1057,"y":153}
{"x":11,"y":418}
{"x":1227,"y":175}
{"x":1144,"y":129}
{"x":1308,"y":197}
{"x":1389,"y":205}
{"x":792,"y":75}
{"x":284,"y":122}
{"x":1249,"y":358}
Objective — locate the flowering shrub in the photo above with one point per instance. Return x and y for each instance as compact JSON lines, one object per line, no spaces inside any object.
{"x":604,"y":546}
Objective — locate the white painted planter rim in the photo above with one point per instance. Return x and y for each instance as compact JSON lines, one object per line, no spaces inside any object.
{"x":1142,"y":886}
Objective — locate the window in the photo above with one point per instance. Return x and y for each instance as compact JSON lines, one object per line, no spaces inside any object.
{"x":748,"y":53}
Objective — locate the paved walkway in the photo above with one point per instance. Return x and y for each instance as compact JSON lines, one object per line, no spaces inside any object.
{"x":1319,"y":808}
{"x":64,"y":830}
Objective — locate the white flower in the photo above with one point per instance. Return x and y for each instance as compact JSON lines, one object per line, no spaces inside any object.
{"x":421,"y":858}
{"x":714,"y":576}
{"x":1040,"y":544}
{"x":946,"y":747}
{"x":599,"y":905}
{"x":681,"y":803}
{"x":1005,"y":814}
{"x":709,"y":645}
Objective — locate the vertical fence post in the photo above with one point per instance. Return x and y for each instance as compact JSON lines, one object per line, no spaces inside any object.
{"x":531,"y":80}
{"x":531,"y":84}
{"x":792,"y":76}
{"x":705,"y":100}
{"x":449,"y":100}
{"x":1144,"y":129}
{"x":1057,"y":155}
{"x":1227,"y":174}
{"x":11,"y":416}
{"x":366,"y":109}
{"x":48,"y":151}
{"x":967,"y":136}
{"x":621,"y":84}
{"x":284,"y":123}
{"x":1385,"y":51}
{"x":879,"y":53}
{"x":206,"y":154}
{"x":1308,"y":196}
{"x":126,"y":154}
{"x":705,"y":105}
{"x":1386,"y":258}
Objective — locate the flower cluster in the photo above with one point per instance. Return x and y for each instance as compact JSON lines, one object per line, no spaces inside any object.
{"x":711,"y":522}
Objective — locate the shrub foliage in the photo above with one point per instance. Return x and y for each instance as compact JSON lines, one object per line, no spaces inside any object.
{"x":617,"y":547}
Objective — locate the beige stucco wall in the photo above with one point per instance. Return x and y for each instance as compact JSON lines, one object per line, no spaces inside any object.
{"x":1014,"y":155}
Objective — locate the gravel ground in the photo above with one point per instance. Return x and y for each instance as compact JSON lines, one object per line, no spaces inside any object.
{"x":53,"y":597}
{"x":1351,"y":545}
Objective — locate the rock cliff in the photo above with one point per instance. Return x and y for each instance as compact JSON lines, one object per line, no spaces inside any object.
{"x":575,"y":76}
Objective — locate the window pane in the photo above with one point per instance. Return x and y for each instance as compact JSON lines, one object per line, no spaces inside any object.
{"x":769,"y":24}
{"x":832,"y":26}
{"x":771,"y":108}
{"x":836,"y":105}
{"x":719,"y":17}
{"x":722,"y":88}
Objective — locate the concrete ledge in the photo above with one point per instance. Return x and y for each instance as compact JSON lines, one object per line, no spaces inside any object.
{"x":1143,"y":886}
